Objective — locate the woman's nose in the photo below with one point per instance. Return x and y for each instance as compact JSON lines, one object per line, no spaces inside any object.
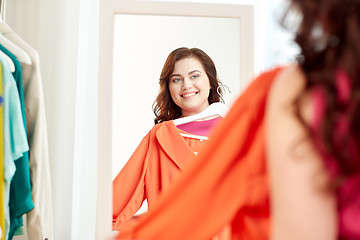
{"x":186,"y":84}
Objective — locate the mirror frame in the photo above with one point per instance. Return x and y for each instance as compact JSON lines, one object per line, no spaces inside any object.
{"x":108,"y":9}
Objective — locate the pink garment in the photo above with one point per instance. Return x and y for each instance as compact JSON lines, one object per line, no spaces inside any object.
{"x":348,"y":194}
{"x":201,"y":128}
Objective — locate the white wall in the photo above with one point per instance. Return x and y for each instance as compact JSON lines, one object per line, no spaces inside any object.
{"x":278,"y":45}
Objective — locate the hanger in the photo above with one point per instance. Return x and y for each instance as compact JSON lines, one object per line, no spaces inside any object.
{"x":217,"y":108}
{"x":20,"y":54}
{"x":8,"y":61}
{"x":2,"y":10}
{"x":195,"y":136}
{"x":4,"y":27}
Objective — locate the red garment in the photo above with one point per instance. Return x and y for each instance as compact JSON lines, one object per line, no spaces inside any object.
{"x":159,"y":158}
{"x":227,"y":184}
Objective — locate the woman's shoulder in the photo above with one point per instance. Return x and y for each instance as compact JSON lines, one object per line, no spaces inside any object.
{"x":287,"y":86}
{"x":163,"y":124}
{"x":288,"y":82}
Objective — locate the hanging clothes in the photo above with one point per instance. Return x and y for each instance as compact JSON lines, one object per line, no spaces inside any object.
{"x":2,"y":216}
{"x":15,"y":140}
{"x":20,"y":188}
{"x":39,"y":222}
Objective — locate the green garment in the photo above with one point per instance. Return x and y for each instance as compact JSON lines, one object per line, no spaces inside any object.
{"x":20,"y":187}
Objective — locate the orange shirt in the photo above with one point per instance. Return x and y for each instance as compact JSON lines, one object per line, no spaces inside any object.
{"x":160,"y":157}
{"x":227,"y":184}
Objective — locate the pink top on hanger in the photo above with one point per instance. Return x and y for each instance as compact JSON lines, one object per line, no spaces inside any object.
{"x":201,"y":128}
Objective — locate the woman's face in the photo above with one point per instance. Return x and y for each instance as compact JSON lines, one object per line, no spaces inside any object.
{"x":189,"y":86}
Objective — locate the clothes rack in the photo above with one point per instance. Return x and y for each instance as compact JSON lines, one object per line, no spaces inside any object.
{"x":2,"y":10}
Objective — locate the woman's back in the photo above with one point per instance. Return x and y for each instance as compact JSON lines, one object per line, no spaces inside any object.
{"x":303,"y":205}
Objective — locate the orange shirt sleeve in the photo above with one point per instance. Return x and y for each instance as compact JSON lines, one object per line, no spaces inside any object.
{"x":129,"y":185}
{"x":226,"y":184}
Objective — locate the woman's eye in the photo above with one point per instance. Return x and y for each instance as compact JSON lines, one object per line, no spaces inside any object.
{"x":176,"y":80}
{"x":195,"y":76}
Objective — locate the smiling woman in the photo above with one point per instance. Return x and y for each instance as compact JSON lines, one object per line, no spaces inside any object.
{"x":188,"y":85}
{"x":134,"y":33}
{"x":132,"y":52}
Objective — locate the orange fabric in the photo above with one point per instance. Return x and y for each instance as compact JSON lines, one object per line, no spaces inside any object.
{"x":160,"y":157}
{"x":227,"y":184}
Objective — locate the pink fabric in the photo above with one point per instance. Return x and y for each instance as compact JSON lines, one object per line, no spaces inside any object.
{"x":348,"y":194}
{"x":201,"y":128}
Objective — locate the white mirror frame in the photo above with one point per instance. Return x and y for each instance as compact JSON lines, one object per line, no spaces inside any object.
{"x":109,"y":8}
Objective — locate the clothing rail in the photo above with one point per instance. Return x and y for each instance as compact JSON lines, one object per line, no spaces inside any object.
{"x":2,"y":10}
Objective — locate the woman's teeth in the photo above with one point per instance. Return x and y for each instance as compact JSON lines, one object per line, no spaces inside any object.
{"x":189,"y":94}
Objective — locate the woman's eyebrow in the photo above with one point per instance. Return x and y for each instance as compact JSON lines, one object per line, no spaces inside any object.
{"x":175,"y":75}
{"x":179,"y":75}
{"x":194,"y":71}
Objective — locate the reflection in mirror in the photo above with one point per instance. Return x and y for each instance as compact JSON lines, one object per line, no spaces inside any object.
{"x":141,"y":46}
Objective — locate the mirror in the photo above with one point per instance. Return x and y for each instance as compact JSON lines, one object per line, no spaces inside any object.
{"x":141,"y":46}
{"x":138,"y":36}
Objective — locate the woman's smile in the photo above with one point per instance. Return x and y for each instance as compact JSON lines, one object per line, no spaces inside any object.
{"x":189,"y":95}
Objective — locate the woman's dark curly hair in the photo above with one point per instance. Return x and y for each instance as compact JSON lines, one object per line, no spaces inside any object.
{"x":164,"y":107}
{"x":328,"y":34}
